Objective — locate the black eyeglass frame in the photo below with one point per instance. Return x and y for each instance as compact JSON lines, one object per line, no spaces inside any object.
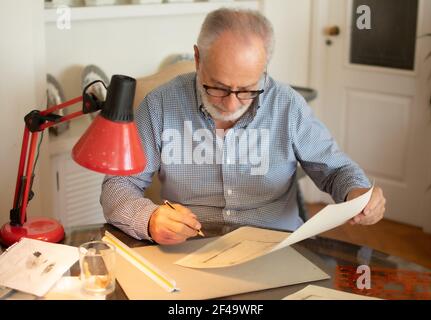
{"x":227,"y":92}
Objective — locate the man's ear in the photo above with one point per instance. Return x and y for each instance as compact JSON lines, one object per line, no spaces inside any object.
{"x":197,"y":57}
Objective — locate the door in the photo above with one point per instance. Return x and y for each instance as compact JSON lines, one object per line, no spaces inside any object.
{"x":373,"y":95}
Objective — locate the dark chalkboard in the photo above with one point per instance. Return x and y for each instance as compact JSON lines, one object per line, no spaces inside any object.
{"x":391,"y":40}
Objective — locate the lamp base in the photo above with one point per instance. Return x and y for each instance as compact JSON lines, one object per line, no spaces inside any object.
{"x":38,"y":228}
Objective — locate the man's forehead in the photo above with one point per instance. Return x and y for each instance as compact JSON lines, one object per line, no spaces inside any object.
{"x":234,"y":82}
{"x":233,"y":72}
{"x":231,"y":75}
{"x":237,"y":50}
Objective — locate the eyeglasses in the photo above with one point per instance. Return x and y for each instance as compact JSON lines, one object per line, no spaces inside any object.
{"x":240,"y":94}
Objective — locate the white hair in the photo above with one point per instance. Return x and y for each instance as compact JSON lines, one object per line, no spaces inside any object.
{"x":243,"y":22}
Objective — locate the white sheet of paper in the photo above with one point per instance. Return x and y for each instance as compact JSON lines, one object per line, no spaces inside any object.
{"x":328,"y":218}
{"x":312,"y":292}
{"x":247,"y":243}
{"x":238,"y":246}
{"x":20,"y":270}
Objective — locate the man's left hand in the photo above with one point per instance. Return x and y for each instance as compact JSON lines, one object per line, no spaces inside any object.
{"x":373,"y":211}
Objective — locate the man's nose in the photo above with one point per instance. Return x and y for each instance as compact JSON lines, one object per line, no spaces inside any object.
{"x":231,"y":103}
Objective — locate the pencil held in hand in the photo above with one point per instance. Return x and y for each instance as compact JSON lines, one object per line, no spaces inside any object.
{"x":172,"y":207}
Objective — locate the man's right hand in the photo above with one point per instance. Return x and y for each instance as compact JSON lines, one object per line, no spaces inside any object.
{"x":168,"y":226}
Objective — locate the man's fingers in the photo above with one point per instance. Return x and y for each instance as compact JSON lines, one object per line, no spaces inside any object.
{"x":175,"y":237}
{"x":373,"y":211}
{"x":375,"y":200}
{"x":181,"y":223}
{"x":181,"y":229}
{"x":381,"y":203}
{"x":378,"y":214}
{"x":171,"y":241}
{"x":165,"y":229}
{"x":374,"y":216}
{"x":358,"y":218}
{"x":183,"y":209}
{"x":166,"y":236}
{"x":371,"y":207}
{"x":184,"y":217}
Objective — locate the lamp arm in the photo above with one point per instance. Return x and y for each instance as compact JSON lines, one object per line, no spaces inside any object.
{"x":35,"y":122}
{"x":91,"y":102}
{"x":19,"y":191}
{"x":40,"y":120}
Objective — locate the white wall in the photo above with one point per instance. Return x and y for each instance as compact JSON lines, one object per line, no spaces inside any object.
{"x":23,"y":72}
{"x":291,"y":20}
{"x":131,"y":46}
{"x":136,"y":46}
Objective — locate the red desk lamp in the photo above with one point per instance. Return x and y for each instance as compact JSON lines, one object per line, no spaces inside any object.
{"x":111,"y":145}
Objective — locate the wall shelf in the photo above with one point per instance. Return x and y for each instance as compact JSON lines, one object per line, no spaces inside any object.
{"x":146,"y":10}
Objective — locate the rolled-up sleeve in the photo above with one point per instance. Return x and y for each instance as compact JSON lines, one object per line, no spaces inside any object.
{"x":319,"y":155}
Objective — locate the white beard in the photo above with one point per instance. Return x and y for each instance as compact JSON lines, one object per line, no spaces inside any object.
{"x":215,"y":112}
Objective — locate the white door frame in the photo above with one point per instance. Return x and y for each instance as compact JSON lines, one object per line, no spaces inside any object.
{"x":317,"y":59}
{"x":424,"y":47}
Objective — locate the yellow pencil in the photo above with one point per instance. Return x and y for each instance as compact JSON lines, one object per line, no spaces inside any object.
{"x":172,"y":207}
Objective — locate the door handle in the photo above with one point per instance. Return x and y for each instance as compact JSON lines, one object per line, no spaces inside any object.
{"x":332,"y":31}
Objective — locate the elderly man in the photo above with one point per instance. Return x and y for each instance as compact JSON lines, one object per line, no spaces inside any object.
{"x":225,"y":142}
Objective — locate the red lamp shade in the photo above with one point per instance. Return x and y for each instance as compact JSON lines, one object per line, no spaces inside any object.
{"x":111,"y":144}
{"x":110,"y":147}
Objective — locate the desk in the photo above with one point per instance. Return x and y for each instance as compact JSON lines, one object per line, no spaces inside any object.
{"x":391,"y":277}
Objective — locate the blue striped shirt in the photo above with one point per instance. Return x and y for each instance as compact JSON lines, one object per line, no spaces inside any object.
{"x":245,"y":177}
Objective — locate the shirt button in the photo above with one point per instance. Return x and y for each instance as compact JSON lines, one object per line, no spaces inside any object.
{"x":228,"y":212}
{"x":229,"y":192}
{"x":228,"y":161}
